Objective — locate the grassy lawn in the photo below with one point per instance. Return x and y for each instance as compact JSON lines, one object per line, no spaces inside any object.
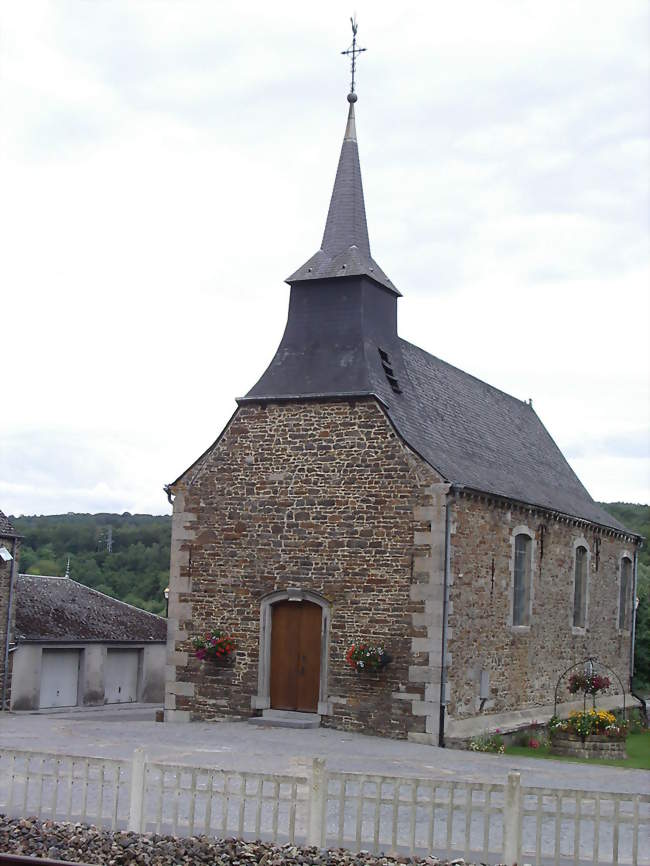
{"x":637,"y":746}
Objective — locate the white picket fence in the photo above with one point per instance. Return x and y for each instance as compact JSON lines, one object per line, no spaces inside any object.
{"x":494,"y":822}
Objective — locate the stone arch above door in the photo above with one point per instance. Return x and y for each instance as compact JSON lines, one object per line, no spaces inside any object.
{"x":262,"y":700}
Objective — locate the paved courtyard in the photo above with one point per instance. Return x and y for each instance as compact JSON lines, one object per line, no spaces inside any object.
{"x":114,"y":732}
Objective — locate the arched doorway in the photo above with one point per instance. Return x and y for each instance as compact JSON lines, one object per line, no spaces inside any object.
{"x":317,"y":630}
{"x":296,"y":629}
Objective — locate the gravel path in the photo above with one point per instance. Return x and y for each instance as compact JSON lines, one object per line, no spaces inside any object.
{"x":79,"y":844}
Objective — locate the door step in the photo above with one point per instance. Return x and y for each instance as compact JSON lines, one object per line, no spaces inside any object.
{"x":285,"y":719}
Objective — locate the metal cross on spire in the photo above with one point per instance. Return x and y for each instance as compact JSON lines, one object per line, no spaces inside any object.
{"x":352,"y":52}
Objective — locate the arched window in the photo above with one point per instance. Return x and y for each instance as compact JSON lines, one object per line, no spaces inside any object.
{"x":580,"y":588}
{"x":522,"y":578}
{"x":624,"y":594}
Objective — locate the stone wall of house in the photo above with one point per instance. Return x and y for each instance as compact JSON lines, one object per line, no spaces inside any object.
{"x":5,"y":579}
{"x":324,"y":497}
{"x":523,"y":663}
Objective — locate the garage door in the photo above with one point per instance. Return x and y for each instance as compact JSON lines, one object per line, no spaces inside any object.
{"x":59,"y":678}
{"x":121,"y":680}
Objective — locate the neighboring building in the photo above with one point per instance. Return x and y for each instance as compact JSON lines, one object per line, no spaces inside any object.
{"x":77,"y":646}
{"x":9,"y":550}
{"x":366,"y":490}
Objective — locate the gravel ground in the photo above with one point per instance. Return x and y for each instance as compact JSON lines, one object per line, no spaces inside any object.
{"x":77,"y":843}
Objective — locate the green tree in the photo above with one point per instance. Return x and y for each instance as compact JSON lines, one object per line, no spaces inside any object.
{"x":136,"y":570}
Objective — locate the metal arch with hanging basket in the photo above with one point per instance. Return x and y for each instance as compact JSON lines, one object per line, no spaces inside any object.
{"x":589,"y":665}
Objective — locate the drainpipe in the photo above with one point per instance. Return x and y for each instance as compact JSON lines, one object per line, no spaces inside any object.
{"x":445,"y":614}
{"x":12,"y":581}
{"x":633,"y":635}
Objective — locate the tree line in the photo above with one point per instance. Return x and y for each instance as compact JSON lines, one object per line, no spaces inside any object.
{"x":125,"y":556}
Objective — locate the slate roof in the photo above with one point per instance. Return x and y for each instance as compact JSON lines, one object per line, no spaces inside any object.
{"x":6,"y":527}
{"x":473,"y":434}
{"x":482,"y":438}
{"x":345,"y":249}
{"x":61,"y":609}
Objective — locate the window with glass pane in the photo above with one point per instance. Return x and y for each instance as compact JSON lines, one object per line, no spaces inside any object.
{"x":580,"y":588}
{"x":521,"y":590}
{"x":624,"y":597}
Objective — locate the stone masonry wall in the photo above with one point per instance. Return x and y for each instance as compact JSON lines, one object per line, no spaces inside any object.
{"x":323,"y":497}
{"x":523,"y":664}
{"x":5,"y":579}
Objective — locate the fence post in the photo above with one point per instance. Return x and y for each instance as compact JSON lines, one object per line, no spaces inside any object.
{"x":512,"y":819}
{"x":136,"y":799}
{"x":317,"y":803}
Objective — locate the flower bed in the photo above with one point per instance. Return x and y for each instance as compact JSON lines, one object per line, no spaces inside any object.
{"x":589,"y":733}
{"x":594,"y":746}
{"x":488,"y":743}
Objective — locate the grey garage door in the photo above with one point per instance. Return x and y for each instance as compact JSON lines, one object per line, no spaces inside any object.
{"x":59,"y":678}
{"x":121,"y":679}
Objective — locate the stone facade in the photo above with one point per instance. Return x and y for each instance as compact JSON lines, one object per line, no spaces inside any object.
{"x":6,"y":541}
{"x":522,"y":663}
{"x":324,"y":498}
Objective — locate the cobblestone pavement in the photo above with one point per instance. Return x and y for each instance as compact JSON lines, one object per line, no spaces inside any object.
{"x":116,"y":732}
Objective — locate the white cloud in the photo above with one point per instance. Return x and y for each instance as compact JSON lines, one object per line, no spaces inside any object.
{"x":164,"y":166}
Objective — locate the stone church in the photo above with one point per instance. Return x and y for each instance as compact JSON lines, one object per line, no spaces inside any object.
{"x":365,"y":491}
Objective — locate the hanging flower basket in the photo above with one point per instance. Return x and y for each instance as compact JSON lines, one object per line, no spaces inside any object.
{"x":213,"y":645}
{"x":589,"y":683}
{"x":367,"y":657}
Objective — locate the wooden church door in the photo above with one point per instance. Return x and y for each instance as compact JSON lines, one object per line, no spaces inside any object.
{"x":295,"y":655}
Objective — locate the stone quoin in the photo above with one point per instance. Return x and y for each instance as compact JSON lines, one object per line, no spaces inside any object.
{"x":366,"y":490}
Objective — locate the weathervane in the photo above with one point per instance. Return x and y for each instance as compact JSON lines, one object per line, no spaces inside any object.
{"x":352,"y":52}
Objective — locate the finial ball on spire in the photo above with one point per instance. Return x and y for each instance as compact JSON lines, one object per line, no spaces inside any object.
{"x":352,"y":97}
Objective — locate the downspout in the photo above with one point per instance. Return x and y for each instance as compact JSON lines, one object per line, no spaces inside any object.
{"x":12,"y":581}
{"x":633,"y":636}
{"x":445,"y":614}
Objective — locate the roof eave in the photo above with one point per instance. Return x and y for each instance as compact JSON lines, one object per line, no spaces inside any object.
{"x":294,"y":279}
{"x":315,"y":396}
{"x":565,"y":515}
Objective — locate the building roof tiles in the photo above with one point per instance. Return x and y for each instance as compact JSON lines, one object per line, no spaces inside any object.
{"x":61,"y":609}
{"x":6,"y":527}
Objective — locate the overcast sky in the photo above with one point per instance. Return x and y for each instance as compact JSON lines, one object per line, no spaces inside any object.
{"x":164,"y":166}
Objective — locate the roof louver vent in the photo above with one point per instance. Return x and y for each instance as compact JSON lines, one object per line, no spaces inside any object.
{"x":388,"y":370}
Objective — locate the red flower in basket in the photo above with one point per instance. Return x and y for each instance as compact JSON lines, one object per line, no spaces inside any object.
{"x":363,"y":656}
{"x":214,"y":645}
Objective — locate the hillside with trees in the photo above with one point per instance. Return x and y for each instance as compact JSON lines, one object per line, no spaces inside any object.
{"x":127,"y":556}
{"x":123,"y":555}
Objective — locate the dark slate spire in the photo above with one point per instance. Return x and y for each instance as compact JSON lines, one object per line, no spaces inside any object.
{"x":343,"y":307}
{"x":345,"y":249}
{"x":346,"y":219}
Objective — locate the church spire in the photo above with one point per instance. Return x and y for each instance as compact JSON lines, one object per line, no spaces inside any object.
{"x":346,"y":220}
{"x":345,"y":249}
